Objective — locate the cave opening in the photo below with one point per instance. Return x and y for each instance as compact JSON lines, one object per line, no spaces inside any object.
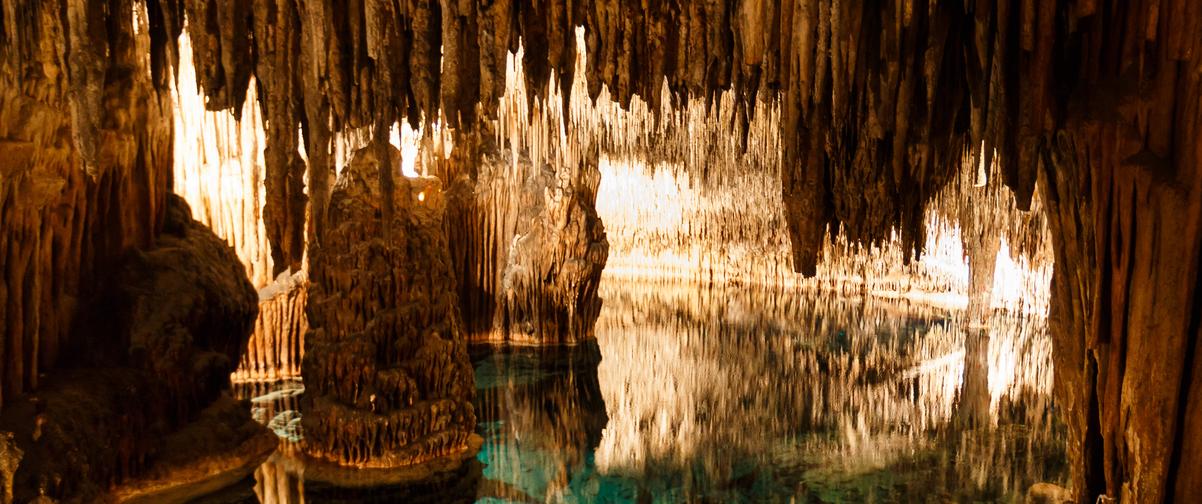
{"x":601,"y":251}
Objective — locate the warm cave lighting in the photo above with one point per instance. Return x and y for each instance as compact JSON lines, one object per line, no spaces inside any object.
{"x":704,"y":251}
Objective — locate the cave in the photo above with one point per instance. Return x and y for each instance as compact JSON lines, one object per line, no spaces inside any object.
{"x":283,"y":251}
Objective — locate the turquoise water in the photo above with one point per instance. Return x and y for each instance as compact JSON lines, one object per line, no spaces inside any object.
{"x":739,"y":395}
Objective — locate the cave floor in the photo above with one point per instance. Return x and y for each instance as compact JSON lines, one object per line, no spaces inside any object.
{"x":737,"y":395}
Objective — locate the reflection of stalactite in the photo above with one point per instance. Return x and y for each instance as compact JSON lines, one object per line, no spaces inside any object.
{"x":973,"y":400}
{"x":555,"y":418}
{"x":858,"y":384}
{"x":276,"y":484}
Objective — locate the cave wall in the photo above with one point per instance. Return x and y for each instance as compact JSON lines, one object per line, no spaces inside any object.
{"x":85,"y":156}
{"x":1095,"y":101}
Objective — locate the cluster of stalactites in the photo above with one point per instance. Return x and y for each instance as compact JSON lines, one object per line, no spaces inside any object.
{"x":873,"y":105}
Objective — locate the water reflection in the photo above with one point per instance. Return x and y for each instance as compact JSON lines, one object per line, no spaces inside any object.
{"x":740,"y":395}
{"x":542,"y":416}
{"x":733,"y":394}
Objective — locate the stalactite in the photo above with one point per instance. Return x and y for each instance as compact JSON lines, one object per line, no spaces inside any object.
{"x":219,"y":170}
{"x":278,"y":74}
{"x":276,"y":347}
{"x":1094,"y":103}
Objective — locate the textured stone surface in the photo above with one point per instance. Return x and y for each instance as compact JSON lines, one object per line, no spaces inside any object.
{"x":276,"y":347}
{"x":387,"y":377}
{"x":528,"y":249}
{"x":157,"y":344}
{"x":1097,"y":101}
{"x":84,"y":169}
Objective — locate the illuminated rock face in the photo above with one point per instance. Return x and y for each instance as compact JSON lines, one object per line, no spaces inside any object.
{"x":549,"y":286}
{"x":276,"y":346}
{"x":387,"y":377}
{"x":878,"y":103}
{"x":529,"y":248}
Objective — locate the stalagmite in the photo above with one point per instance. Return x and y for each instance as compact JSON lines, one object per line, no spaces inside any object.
{"x":387,"y":379}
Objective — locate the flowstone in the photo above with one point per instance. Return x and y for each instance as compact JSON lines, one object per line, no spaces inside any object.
{"x":387,"y":376}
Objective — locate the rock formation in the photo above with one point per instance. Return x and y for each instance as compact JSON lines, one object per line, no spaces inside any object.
{"x":1095,"y":104}
{"x":276,"y":347}
{"x":85,"y":156}
{"x":218,"y":169}
{"x":387,"y":377}
{"x":121,"y":315}
{"x":150,"y":377}
{"x":529,"y":249}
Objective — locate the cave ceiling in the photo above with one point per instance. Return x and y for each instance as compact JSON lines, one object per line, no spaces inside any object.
{"x":880,"y":100}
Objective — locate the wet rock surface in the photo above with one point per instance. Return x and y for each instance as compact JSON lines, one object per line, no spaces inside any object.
{"x":387,"y":377}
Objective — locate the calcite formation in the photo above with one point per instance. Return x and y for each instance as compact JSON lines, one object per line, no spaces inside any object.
{"x":85,"y":170}
{"x":276,"y":347}
{"x":387,"y":377}
{"x":85,"y":155}
{"x":155,"y":348}
{"x":529,"y":249}
{"x":1093,"y":104}
{"x":549,"y":285}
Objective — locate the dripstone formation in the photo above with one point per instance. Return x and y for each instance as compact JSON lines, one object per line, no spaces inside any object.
{"x":150,"y":377}
{"x":528,"y":247}
{"x":1095,"y":104}
{"x":121,"y":316}
{"x":388,"y":382}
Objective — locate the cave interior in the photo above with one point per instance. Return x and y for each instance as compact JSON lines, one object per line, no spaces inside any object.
{"x":600,"y":250}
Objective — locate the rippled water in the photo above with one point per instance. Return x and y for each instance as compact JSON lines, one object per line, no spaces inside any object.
{"x":738,"y":395}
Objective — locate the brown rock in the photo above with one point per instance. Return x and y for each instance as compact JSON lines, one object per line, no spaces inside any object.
{"x":388,"y":381}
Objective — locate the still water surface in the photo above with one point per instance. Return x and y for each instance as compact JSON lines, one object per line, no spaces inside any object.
{"x":740,"y":395}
